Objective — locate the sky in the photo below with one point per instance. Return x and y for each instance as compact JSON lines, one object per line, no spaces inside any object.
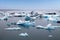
{"x":29,"y":4}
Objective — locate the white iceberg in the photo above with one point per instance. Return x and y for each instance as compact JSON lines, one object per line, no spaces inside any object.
{"x":50,"y":36}
{"x":20,"y":22}
{"x":13,"y":28}
{"x":23,"y":34}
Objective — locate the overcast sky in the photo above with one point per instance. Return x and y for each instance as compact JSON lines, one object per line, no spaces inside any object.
{"x":30,"y":4}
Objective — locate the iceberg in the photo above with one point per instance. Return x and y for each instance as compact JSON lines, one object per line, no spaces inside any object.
{"x":13,"y":28}
{"x":23,"y":34}
{"x":26,"y":23}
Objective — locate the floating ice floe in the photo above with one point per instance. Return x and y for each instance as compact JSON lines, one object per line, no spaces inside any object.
{"x":19,"y":14}
{"x":49,"y":27}
{"x":13,"y":28}
{"x":20,"y":22}
{"x":50,"y":36}
{"x":23,"y":34}
{"x":28,"y":18}
{"x":26,"y":23}
{"x":4,"y":18}
{"x":51,"y":17}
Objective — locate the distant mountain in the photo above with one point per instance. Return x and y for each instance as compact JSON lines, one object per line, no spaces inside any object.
{"x":9,"y":9}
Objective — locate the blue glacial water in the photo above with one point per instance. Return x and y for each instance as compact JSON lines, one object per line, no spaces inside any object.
{"x":33,"y":33}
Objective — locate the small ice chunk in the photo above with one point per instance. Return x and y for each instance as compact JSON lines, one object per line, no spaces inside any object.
{"x":23,"y":34}
{"x":50,"y":36}
{"x":13,"y":28}
{"x":20,"y":22}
